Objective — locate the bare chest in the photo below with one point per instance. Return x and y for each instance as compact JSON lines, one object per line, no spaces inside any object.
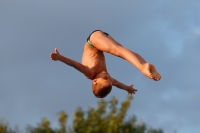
{"x":93,"y":58}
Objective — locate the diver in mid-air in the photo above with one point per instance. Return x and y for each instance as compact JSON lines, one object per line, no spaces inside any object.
{"x":94,"y":65}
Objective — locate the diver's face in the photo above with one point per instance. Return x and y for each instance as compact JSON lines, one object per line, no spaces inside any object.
{"x":103,"y":76}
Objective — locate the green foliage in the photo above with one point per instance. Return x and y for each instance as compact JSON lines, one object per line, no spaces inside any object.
{"x":43,"y":127}
{"x":4,"y":127}
{"x":106,"y":118}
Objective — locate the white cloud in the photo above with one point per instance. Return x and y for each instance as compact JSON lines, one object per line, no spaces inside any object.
{"x":197,"y":32}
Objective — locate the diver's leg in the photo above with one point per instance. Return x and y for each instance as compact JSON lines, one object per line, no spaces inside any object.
{"x":136,"y":54}
{"x":109,"y":45}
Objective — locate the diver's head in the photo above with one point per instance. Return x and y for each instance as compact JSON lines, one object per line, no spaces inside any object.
{"x":101,"y":85}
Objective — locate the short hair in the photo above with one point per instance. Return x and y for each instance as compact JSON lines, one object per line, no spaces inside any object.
{"x":100,"y":90}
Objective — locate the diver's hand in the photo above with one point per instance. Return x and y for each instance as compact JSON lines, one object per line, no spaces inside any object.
{"x":130,"y":89}
{"x":55,"y":56}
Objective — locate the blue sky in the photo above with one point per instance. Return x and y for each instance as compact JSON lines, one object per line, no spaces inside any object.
{"x":165,"y":33}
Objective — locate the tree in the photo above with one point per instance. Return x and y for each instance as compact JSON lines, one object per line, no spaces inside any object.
{"x":106,"y":118}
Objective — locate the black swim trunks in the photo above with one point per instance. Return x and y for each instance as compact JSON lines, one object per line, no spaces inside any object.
{"x":88,"y":39}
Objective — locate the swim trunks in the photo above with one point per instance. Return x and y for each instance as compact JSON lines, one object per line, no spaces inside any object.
{"x":88,"y":39}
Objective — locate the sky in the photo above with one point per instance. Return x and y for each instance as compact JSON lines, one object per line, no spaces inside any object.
{"x":165,"y":32}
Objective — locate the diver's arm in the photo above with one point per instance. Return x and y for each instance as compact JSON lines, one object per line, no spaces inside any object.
{"x":118,"y":84}
{"x":122,"y":86}
{"x":78,"y":66}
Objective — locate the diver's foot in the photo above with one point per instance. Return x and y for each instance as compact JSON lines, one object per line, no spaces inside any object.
{"x":150,"y":71}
